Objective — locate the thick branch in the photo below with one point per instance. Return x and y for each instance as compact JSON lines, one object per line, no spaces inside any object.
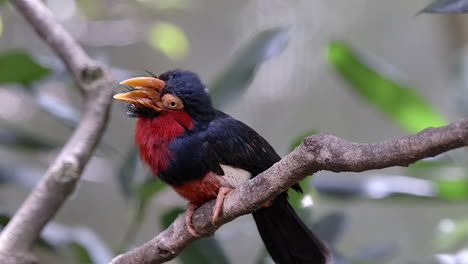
{"x":96,"y":83}
{"x":318,"y":152}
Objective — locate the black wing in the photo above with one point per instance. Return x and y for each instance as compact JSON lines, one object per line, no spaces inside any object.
{"x":238,"y":145}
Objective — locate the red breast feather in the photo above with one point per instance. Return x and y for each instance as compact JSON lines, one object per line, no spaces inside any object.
{"x":153,"y":135}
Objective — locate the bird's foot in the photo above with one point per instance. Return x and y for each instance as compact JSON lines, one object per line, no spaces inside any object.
{"x":219,"y":203}
{"x":267,"y":204}
{"x":191,"y":207}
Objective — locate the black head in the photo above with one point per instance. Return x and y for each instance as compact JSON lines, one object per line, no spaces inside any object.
{"x":175,"y":90}
{"x":188,"y":87}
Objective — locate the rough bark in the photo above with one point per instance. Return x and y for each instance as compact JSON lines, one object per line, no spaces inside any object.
{"x":95,"y":83}
{"x":318,"y":152}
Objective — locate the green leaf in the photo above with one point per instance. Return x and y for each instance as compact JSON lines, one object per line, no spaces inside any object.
{"x":401,"y":103}
{"x":206,"y":250}
{"x":80,"y":254}
{"x":298,"y":140}
{"x":170,"y":215}
{"x":452,"y":189}
{"x":447,"y":6}
{"x":170,"y":39}
{"x":19,"y":67}
{"x":235,"y":79}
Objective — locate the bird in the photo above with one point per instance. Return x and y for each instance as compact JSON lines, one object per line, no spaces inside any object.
{"x":203,"y":154}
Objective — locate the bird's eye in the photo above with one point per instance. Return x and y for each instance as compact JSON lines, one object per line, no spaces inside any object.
{"x":172,"y":102}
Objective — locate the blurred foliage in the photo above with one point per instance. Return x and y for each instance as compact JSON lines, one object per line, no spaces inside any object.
{"x":20,"y":67}
{"x":451,"y":233}
{"x":166,"y":5}
{"x":239,"y":74}
{"x":80,"y":254}
{"x":17,"y":139}
{"x":1,"y":23}
{"x":452,"y":189}
{"x":170,"y":39}
{"x":402,"y":103}
{"x":206,"y":250}
{"x":62,"y":240}
{"x":331,"y":227}
{"x":447,"y":6}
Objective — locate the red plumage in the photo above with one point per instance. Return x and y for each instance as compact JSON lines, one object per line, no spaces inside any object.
{"x":201,"y":190}
{"x":203,"y":154}
{"x":153,"y":135}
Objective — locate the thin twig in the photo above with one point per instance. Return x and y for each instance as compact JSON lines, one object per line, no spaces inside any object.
{"x":95,"y":82}
{"x":318,"y":152}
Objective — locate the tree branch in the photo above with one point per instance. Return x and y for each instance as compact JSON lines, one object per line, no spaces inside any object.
{"x":96,"y":84}
{"x":318,"y":152}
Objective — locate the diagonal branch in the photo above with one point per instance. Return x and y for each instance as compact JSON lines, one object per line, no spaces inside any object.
{"x":318,"y":152}
{"x":96,"y":84}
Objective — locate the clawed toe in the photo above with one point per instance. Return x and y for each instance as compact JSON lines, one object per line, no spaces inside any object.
{"x":191,"y":207}
{"x":219,"y":204}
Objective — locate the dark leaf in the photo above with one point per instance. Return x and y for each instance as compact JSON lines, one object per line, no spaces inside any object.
{"x":206,"y":250}
{"x":263,"y":257}
{"x":80,"y":254}
{"x":235,"y":79}
{"x":400,"y":102}
{"x":447,"y":6}
{"x":4,"y":219}
{"x":169,"y":216}
{"x":298,"y":140}
{"x":127,"y":172}
{"x":147,"y":191}
{"x":19,"y":67}
{"x":17,"y":139}
{"x":331,"y":227}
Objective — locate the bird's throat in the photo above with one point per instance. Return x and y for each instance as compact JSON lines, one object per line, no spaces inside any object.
{"x":153,"y":136}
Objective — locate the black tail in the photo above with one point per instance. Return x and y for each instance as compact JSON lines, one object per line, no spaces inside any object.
{"x":286,"y":237}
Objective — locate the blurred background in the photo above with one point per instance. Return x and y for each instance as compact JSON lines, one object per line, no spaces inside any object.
{"x":363,"y":70}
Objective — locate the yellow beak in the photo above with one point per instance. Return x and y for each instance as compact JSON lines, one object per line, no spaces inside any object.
{"x":146,"y":93}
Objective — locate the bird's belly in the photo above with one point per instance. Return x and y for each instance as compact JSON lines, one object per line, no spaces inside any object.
{"x":204,"y":189}
{"x":234,"y":177}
